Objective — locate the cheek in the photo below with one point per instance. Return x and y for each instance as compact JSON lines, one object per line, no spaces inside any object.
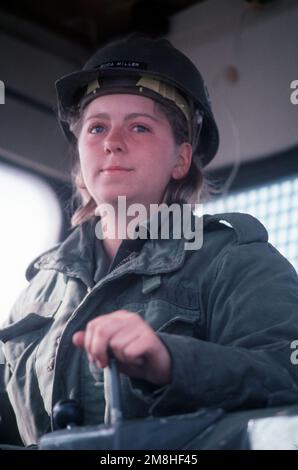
{"x":87,"y":171}
{"x":86,"y":158}
{"x":83,"y":161}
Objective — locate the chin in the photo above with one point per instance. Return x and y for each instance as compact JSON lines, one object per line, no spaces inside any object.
{"x":112,"y":197}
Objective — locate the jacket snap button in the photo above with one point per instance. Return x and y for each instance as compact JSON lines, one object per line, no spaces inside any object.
{"x":51,"y":365}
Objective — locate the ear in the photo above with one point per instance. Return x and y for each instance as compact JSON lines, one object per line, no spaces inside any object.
{"x":182,"y":165}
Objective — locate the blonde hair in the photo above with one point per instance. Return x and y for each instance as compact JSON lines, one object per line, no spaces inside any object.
{"x":193,"y":188}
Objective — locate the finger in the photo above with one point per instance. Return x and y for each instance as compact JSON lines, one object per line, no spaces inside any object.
{"x":122,"y":338}
{"x":96,"y":342}
{"x":78,"y":339}
{"x":99,"y":332}
{"x":136,"y":354}
{"x":141,"y":346}
{"x":102,"y":322}
{"x":157,"y":360}
{"x":117,"y":337}
{"x":98,"y":326}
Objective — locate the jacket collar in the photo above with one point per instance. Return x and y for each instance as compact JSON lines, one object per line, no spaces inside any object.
{"x":75,"y":256}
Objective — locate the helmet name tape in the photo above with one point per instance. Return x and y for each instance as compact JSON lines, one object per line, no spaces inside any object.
{"x":124,"y":64}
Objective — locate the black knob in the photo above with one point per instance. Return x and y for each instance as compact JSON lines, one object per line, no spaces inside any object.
{"x":67,"y":413}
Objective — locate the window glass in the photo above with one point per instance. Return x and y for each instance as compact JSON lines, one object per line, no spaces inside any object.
{"x":31,"y":220}
{"x":275,"y":204}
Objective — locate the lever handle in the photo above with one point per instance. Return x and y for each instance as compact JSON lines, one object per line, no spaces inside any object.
{"x":67,"y":413}
{"x":114,"y":390}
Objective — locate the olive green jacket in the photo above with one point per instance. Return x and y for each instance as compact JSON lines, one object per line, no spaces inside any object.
{"x":227,"y":312}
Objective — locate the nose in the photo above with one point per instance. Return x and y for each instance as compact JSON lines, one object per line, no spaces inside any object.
{"x":114,"y":142}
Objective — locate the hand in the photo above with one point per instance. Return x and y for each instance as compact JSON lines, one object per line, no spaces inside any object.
{"x":139,"y":351}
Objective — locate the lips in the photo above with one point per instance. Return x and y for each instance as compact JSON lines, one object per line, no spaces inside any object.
{"x":115,"y":168}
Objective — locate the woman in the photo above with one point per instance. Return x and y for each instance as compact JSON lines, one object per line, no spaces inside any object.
{"x":190,"y":328}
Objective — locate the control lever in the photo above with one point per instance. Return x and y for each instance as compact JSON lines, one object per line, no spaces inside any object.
{"x":67,"y":413}
{"x":114,"y":390}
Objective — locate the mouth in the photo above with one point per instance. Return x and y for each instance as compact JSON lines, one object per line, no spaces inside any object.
{"x":114,"y":168}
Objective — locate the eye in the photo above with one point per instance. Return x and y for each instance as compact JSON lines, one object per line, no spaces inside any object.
{"x":141,"y":128}
{"x":95,"y":129}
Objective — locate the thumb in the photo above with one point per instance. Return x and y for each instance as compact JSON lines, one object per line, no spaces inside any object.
{"x":78,"y":339}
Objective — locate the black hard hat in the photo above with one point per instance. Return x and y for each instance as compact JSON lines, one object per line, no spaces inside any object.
{"x":144,"y":56}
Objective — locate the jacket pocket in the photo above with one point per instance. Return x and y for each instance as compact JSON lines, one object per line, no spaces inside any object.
{"x":179,"y":325}
{"x":175,"y":310}
{"x":21,"y":336}
{"x":35,"y":316}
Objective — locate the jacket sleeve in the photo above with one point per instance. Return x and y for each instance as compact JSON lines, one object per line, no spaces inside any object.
{"x":4,"y":373}
{"x":8,"y":427}
{"x":250,"y":309}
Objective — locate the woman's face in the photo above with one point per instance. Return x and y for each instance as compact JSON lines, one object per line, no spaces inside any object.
{"x":127,"y":148}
